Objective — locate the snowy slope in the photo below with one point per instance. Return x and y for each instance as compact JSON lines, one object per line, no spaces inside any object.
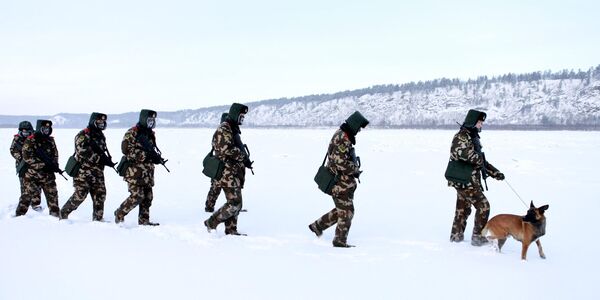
{"x":567,"y":100}
{"x":401,"y":228}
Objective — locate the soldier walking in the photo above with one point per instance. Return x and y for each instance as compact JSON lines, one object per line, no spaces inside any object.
{"x":466,"y":147}
{"x":41,"y":156}
{"x":139,"y":147}
{"x":92,"y":155}
{"x":215,"y":190}
{"x":343,"y":163}
{"x":228,"y":148}
{"x":16,"y":150}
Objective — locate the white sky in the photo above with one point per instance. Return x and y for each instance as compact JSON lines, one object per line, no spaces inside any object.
{"x":119,"y":56}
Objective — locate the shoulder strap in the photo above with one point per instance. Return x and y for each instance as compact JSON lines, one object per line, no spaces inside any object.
{"x":324,"y":159}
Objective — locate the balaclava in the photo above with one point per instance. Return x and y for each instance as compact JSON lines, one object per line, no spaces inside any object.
{"x":25,"y":129}
{"x":97,"y":121}
{"x":147,"y":119}
{"x":43,"y":128}
{"x":236,"y":112}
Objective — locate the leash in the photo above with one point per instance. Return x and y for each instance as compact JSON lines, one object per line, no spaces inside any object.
{"x":510,"y":186}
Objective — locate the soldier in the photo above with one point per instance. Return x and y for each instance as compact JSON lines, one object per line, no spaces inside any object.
{"x":229,"y":148}
{"x":214,"y":191}
{"x":343,"y":163}
{"x":139,"y":146}
{"x":92,"y":155}
{"x":16,"y":150}
{"x":41,"y":156}
{"x":466,"y":147}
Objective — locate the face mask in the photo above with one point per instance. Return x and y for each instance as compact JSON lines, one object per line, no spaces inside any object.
{"x":241,"y":119}
{"x":25,"y":133}
{"x":150,"y":123}
{"x":100,"y":124}
{"x":46,"y":130}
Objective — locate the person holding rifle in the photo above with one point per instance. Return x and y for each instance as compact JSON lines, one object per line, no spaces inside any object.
{"x":92,"y":156}
{"x":466,"y":149}
{"x":16,"y":150}
{"x":41,"y":158}
{"x":228,"y":148}
{"x":139,"y":147}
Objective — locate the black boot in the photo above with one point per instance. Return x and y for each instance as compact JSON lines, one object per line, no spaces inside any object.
{"x":314,"y":228}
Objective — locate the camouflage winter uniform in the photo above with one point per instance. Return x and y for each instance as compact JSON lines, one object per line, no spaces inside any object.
{"x":232,"y":180}
{"x":16,"y":149}
{"x":340,"y":163}
{"x":38,"y":177}
{"x":213,"y":195}
{"x":139,"y":176}
{"x":90,"y":177}
{"x":466,"y":147}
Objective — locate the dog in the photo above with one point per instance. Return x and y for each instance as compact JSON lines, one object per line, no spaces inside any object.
{"x":526,"y":229}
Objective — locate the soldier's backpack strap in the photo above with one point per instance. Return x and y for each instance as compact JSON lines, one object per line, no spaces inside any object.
{"x":324,"y":159}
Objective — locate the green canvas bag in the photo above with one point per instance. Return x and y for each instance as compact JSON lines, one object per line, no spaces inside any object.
{"x":123,"y":166}
{"x":325,"y":179}
{"x":72,"y":167}
{"x":459,"y":171}
{"x":212,"y":166}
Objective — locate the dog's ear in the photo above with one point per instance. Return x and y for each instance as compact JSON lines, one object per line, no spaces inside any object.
{"x":531,"y":205}
{"x":543,"y":208}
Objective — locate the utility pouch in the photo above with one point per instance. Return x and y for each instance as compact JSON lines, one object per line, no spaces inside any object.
{"x":459,"y":171}
{"x":212,"y":166}
{"x":72,"y":167}
{"x":22,"y":168}
{"x":123,"y":166}
{"x":325,"y":179}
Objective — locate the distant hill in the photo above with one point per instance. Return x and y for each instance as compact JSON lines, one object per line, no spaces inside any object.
{"x":565,"y":99}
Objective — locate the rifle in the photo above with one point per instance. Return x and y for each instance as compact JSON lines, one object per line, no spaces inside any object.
{"x":245,"y":151}
{"x":484,"y":173}
{"x":356,"y":160}
{"x":49,"y":162}
{"x":152,"y":150}
{"x":105,"y":157}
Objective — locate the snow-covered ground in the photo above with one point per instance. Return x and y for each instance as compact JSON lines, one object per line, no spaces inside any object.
{"x":404,"y":212}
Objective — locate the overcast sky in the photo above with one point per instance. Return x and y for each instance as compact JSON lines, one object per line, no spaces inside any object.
{"x":119,"y":56}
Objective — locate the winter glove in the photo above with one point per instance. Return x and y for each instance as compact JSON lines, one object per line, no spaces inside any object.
{"x":500,"y":176}
{"x":357,"y":174}
{"x":106,"y":161}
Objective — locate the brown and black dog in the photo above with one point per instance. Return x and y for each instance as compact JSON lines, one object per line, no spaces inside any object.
{"x":526,"y":229}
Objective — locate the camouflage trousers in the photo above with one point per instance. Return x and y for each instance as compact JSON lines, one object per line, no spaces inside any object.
{"x":342,"y":214}
{"x":35,"y":202}
{"x":228,"y":213}
{"x":32,"y":191}
{"x":96,"y":189}
{"x":466,"y":198}
{"x":213,"y":194}
{"x":139,"y":195}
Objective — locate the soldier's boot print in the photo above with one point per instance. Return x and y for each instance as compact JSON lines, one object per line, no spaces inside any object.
{"x":461,"y":214}
{"x":315,"y":229}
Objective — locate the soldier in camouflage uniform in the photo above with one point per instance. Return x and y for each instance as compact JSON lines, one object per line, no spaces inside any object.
{"x":467,"y":147}
{"x":139,"y":146}
{"x":16,"y":150}
{"x":41,"y":155}
{"x":215,"y":190}
{"x":92,"y":155}
{"x":229,"y":148}
{"x":342,"y":162}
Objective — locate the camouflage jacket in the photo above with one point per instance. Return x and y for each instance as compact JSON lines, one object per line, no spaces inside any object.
{"x":86,"y":156}
{"x":463,"y":148}
{"x":225,"y":149}
{"x":141,"y":169}
{"x":16,"y":148}
{"x":340,"y":161}
{"x":36,"y":164}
